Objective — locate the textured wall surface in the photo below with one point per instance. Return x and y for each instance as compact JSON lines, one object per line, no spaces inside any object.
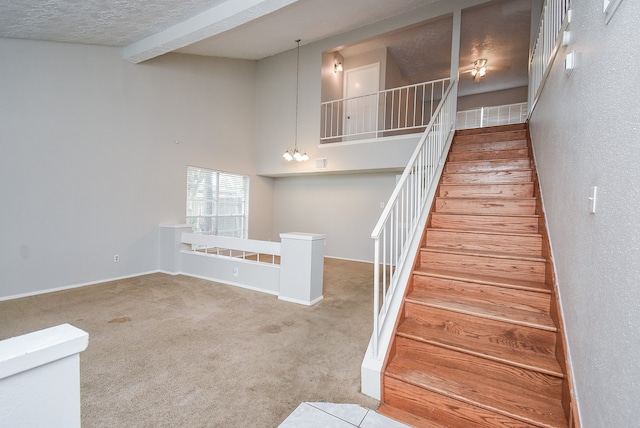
{"x":586,"y":132}
{"x":94,"y":153}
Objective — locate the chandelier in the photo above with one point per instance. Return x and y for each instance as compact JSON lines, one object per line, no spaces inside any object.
{"x":479,"y":69}
{"x":295,"y":154}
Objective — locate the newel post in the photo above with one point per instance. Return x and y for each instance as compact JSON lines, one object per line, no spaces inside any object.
{"x":301,"y":267}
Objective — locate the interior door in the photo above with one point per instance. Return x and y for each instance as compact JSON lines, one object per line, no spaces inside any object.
{"x":361,"y":86}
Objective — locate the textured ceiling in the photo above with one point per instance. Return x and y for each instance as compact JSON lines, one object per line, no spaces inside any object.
{"x":255,"y":29}
{"x":99,"y":22}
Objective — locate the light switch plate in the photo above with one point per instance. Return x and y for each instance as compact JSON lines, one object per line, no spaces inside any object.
{"x":592,"y":199}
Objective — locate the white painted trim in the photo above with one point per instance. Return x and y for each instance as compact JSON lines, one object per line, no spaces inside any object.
{"x":415,"y":135}
{"x":301,"y":302}
{"x":238,"y":244}
{"x":69,"y":287}
{"x":235,"y":284}
{"x":350,"y":260}
{"x":301,"y":236}
{"x":21,"y":353}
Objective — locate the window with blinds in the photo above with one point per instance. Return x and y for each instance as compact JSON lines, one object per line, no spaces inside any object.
{"x":217,"y":202}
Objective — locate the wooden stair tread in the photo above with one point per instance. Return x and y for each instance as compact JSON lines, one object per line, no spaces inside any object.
{"x":521,"y":223}
{"x":491,"y":135}
{"x":505,"y":206}
{"x":542,"y":363}
{"x":406,"y":417}
{"x":486,"y":177}
{"x":486,"y":232}
{"x":472,"y":388}
{"x":487,"y":190}
{"x":492,"y":254}
{"x":512,"y":144}
{"x":490,"y":129}
{"x":485,"y":309}
{"x":536,"y":286}
{"x":488,"y":154}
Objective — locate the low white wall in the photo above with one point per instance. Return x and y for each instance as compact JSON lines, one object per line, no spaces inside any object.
{"x":233,"y":271}
{"x":40,"y":378}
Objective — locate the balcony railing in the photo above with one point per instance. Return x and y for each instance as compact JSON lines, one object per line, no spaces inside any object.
{"x":553,"y":21}
{"x":492,"y":116}
{"x":406,"y":109}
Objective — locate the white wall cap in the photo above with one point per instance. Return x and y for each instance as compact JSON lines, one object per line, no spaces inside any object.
{"x":26,"y":352}
{"x":302,"y":236}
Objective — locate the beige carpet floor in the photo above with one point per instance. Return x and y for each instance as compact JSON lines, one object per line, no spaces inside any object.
{"x":174,"y":351}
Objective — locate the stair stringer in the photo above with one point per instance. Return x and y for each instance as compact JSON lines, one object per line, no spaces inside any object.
{"x":555,"y":309}
{"x":372,"y":366}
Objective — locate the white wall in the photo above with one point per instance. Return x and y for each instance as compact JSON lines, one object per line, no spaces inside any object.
{"x":585,"y":131}
{"x":89,"y":164}
{"x":345,"y":208}
{"x":495,"y":98}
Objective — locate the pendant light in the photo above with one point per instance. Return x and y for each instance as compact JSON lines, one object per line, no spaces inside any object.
{"x":296,"y":155}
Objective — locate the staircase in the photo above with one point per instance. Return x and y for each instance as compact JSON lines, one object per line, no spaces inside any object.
{"x":476,"y":343}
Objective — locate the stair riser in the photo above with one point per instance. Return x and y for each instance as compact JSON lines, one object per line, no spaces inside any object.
{"x":488,"y":177}
{"x":543,"y":384}
{"x":483,"y":293}
{"x":489,"y":146}
{"x":518,"y":190}
{"x":492,"y":137}
{"x":489,"y":223}
{"x":514,"y":244}
{"x":488,"y":165}
{"x":442,"y":409}
{"x":489,"y":155}
{"x":481,"y":330}
{"x":527,"y":270}
{"x":486,"y":206}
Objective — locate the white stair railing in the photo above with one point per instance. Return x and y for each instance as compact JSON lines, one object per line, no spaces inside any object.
{"x":404,"y":109}
{"x":492,"y":116}
{"x":553,"y":22}
{"x":401,"y":217}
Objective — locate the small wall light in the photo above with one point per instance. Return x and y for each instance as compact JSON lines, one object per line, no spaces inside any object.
{"x":337,"y":67}
{"x":479,"y":69}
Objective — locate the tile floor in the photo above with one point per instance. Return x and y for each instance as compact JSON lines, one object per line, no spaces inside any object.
{"x":329,"y":415}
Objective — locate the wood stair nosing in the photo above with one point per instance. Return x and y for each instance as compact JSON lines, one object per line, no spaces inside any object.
{"x":441,"y":408}
{"x":523,"y":342}
{"x":498,"y":135}
{"x":488,"y":310}
{"x":497,"y":242}
{"x":542,"y":383}
{"x":407,"y":418}
{"x":488,"y":155}
{"x":521,"y":405}
{"x":481,"y":206}
{"x":535,"y":258}
{"x":495,"y":128}
{"x":485,"y":222}
{"x":497,"y":264}
{"x":483,"y":294}
{"x":533,"y":286}
{"x":486,"y":190}
{"x":542,"y":362}
{"x":473,"y":146}
{"x":488,"y":165}
{"x":487,"y":177}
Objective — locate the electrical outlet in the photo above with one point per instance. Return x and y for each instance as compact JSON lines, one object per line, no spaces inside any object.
{"x":116,"y":258}
{"x":235,"y":271}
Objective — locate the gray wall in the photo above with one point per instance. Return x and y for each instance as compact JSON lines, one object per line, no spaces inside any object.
{"x":585,"y":131}
{"x":89,"y":165}
{"x":343,"y":207}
